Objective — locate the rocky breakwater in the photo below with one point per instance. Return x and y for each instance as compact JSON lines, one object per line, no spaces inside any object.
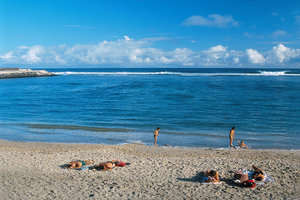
{"x":22,"y":73}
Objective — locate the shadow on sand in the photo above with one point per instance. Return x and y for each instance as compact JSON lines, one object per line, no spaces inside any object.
{"x":197,"y":178}
{"x":64,"y":166}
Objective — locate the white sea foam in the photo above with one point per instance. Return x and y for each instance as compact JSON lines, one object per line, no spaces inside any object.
{"x":260,"y":73}
{"x":121,"y":73}
{"x":270,"y":73}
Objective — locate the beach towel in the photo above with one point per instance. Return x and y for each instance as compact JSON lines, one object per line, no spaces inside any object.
{"x":120,"y":164}
{"x":249,"y":183}
{"x":83,"y":168}
{"x":267,"y":179}
{"x":241,"y":172}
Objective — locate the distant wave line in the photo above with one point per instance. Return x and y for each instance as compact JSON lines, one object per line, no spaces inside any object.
{"x":260,"y":73}
{"x":73,"y":127}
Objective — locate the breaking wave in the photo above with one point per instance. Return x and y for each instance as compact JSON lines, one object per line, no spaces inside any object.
{"x":259,"y":73}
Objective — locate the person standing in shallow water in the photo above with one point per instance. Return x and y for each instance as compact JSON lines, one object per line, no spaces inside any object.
{"x":155,"y":135}
{"x":231,"y":136}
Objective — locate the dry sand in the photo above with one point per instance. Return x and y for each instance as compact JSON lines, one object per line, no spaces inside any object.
{"x":32,"y":171}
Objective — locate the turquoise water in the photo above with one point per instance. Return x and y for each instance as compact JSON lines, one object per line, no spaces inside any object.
{"x":193,"y":107}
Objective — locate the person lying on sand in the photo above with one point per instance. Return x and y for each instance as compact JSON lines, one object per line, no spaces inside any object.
{"x":109,"y":165}
{"x":242,"y":144}
{"x":242,"y":175}
{"x":211,"y":176}
{"x":78,"y":164}
{"x":258,"y":174}
{"x":104,"y":166}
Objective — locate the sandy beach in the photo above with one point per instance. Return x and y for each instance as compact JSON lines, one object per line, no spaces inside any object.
{"x":32,"y":171}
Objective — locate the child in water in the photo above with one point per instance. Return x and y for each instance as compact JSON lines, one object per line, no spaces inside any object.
{"x":242,"y":145}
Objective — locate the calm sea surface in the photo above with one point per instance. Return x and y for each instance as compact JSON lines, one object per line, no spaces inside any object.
{"x":193,"y":107}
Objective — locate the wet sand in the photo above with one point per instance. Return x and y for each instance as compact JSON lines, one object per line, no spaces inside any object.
{"x":32,"y":171}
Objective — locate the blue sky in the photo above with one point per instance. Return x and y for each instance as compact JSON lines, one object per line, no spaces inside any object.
{"x":144,"y":33}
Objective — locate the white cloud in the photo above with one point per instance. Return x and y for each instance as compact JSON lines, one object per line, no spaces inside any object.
{"x":216,"y":54}
{"x":32,"y":55}
{"x":121,"y":51}
{"x":182,"y":55}
{"x":126,"y":38}
{"x":213,"y":20}
{"x":217,"y":49}
{"x":279,"y":33}
{"x":164,"y":60}
{"x":281,"y":53}
{"x":7,"y":55}
{"x":255,"y":57}
{"x":236,"y":60}
{"x":130,"y":52}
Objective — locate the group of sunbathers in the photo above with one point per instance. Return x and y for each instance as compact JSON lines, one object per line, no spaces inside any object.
{"x":241,"y":176}
{"x":101,"y":166}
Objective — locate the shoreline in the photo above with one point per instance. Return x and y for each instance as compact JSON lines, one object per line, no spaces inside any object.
{"x":50,"y":133}
{"x":149,"y":145}
{"x":3,"y":141}
{"x":32,"y":170}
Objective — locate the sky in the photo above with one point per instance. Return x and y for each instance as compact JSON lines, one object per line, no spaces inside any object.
{"x":150,"y":33}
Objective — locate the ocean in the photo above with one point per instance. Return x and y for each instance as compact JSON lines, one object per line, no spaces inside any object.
{"x":193,"y":107}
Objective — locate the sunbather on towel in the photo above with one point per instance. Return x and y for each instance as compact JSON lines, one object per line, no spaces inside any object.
{"x":105,"y":166}
{"x":211,"y":176}
{"x":109,"y":165}
{"x":258,"y":174}
{"x":242,"y":175}
{"x":78,"y":164}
